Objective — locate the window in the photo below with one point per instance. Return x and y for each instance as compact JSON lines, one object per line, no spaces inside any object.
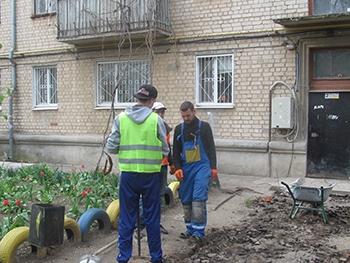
{"x":214,"y":80}
{"x":330,"y":69}
{"x":320,"y":7}
{"x":331,"y":64}
{"x":1,"y":91}
{"x":44,"y":6}
{"x":129,"y":76}
{"x":45,"y":87}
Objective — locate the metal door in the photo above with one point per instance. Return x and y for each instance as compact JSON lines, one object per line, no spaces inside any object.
{"x":328,"y":151}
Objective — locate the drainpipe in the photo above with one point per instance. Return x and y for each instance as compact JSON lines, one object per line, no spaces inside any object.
{"x":13,"y":75}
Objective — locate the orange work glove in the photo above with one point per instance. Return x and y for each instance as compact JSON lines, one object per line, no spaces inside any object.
{"x":179,"y":175}
{"x":214,"y":174}
{"x":172,"y":169}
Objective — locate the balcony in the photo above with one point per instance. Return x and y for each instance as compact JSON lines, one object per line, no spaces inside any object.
{"x":82,"y":22}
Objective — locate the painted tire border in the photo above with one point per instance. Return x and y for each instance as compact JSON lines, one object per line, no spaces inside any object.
{"x":113,"y":212}
{"x":107,"y":220}
{"x":174,"y":186}
{"x":169,"y":197}
{"x":91,"y":215}
{"x":72,"y":230}
{"x":11,"y":242}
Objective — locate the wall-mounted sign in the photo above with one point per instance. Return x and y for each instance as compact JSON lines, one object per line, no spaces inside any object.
{"x":331,"y":96}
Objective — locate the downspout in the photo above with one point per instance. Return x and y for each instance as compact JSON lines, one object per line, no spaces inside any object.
{"x":13,"y":75}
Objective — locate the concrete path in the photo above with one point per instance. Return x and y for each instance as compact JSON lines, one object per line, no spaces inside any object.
{"x":260,"y":184}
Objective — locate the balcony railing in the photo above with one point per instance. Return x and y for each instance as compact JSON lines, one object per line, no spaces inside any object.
{"x":80,"y":20}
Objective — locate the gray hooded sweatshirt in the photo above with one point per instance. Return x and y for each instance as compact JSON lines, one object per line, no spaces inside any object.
{"x":138,"y":114}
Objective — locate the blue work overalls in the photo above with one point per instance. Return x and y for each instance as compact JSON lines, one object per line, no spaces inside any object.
{"x":194,"y":187}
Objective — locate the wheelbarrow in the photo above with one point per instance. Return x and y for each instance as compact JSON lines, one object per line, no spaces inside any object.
{"x":302,"y":193}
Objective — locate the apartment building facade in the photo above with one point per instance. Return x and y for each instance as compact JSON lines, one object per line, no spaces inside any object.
{"x":271,"y":77}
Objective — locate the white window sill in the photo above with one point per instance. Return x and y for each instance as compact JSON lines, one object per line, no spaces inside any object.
{"x":215,"y":106}
{"x":45,"y":108}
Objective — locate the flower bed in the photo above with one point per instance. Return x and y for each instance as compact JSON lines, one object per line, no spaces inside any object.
{"x":78,"y":191}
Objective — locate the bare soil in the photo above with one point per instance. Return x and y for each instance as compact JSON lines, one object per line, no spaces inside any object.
{"x":244,"y":226}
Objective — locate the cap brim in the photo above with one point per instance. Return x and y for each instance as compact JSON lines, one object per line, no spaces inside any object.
{"x":141,"y":96}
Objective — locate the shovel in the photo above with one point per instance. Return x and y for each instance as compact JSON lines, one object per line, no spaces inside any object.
{"x":94,"y":258}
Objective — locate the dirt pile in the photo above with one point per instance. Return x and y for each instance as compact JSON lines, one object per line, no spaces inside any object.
{"x":267,"y":234}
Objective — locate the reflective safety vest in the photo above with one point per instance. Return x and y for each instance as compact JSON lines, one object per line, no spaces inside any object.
{"x":140,"y":150}
{"x":165,"y":160}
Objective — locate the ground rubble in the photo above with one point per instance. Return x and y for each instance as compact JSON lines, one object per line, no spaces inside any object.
{"x":267,"y":234}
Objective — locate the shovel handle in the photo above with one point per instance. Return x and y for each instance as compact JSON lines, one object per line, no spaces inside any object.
{"x":105,"y":247}
{"x":138,"y":230}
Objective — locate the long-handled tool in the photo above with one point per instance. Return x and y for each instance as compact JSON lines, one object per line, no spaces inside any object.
{"x":138,"y":230}
{"x":94,"y":258}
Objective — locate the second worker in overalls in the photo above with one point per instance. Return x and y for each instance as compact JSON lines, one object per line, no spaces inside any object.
{"x":194,"y":157}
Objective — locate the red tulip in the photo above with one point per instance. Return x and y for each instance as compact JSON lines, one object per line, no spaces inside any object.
{"x":18,"y":202}
{"x":6,"y":202}
{"x":83,"y":193}
{"x":42,"y":173}
{"x":88,"y":190}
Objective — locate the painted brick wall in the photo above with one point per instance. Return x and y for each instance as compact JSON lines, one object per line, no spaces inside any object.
{"x":258,"y":63}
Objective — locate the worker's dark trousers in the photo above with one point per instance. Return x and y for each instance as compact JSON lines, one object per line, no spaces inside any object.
{"x":132,"y":185}
{"x":163,"y":177}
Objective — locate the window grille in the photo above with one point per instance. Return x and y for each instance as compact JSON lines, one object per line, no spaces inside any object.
{"x":45,"y":87}
{"x":129,"y":76}
{"x":214,"y":80}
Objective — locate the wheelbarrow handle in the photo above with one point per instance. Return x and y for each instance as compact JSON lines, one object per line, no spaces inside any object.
{"x":289,"y":190}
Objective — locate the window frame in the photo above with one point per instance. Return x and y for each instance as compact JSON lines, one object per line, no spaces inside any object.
{"x":47,"y":7}
{"x":35,"y":88}
{"x":1,"y":88}
{"x":136,"y":83}
{"x":311,"y":9}
{"x":198,"y":88}
{"x":331,"y":83}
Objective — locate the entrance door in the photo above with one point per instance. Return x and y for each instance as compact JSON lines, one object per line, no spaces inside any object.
{"x":328,"y":153}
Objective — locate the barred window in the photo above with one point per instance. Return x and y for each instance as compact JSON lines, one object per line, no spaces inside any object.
{"x":127,"y":75}
{"x":214,"y":80}
{"x":45,"y":87}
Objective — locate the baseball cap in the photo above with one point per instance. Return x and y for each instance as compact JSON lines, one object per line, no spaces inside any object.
{"x":146,"y":92}
{"x":158,"y":105}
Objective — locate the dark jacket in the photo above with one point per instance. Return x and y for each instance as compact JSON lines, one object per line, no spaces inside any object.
{"x":206,"y":137}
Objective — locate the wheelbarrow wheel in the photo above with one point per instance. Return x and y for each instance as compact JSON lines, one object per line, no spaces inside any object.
{"x":317,"y":206}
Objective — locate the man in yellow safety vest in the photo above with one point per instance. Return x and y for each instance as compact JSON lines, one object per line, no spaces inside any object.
{"x":139,"y":138}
